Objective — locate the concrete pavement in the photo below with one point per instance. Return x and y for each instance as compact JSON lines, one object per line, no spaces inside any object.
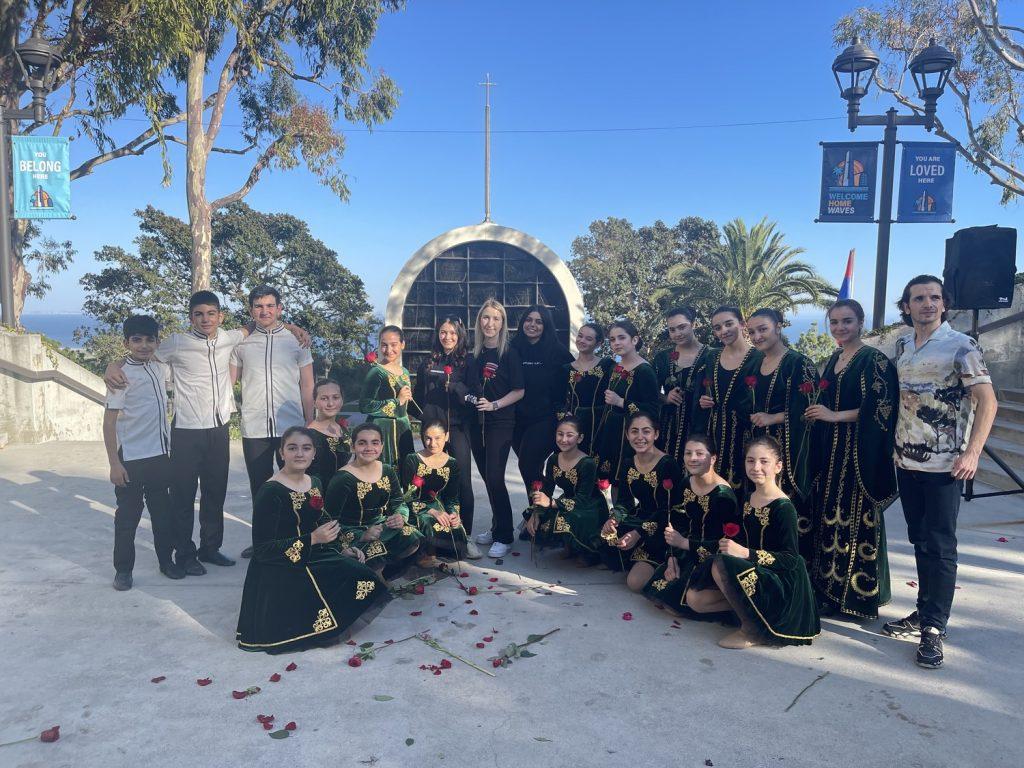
{"x":600,"y":692}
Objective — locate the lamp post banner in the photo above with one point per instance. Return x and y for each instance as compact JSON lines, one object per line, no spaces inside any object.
{"x":848,"y":181}
{"x":926,"y":182}
{"x":41,"y":172}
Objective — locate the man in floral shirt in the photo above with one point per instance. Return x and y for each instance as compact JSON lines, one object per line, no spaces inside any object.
{"x":947,"y":407}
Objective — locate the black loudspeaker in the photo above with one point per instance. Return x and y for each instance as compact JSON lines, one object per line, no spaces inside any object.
{"x":980,"y":267}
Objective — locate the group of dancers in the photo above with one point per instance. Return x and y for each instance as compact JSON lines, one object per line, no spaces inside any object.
{"x":732,"y":481}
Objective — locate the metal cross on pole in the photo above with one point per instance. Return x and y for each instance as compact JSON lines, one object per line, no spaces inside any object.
{"x":487,"y":84}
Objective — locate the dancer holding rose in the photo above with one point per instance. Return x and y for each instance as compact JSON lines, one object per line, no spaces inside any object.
{"x":586,"y":379}
{"x":676,"y":368}
{"x":387,"y":393}
{"x":330,"y":431}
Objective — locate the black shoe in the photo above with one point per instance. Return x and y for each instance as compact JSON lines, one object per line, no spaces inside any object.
{"x":929,"y":651}
{"x":215,"y":558}
{"x":123,"y":581}
{"x":903,"y":629}
{"x":172,"y":571}
{"x":247,"y":553}
{"x":193,"y":567}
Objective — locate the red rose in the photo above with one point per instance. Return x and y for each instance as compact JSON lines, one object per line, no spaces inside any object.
{"x":667,"y":483}
{"x":493,"y":578}
{"x":536,"y":485}
{"x":203,"y":681}
{"x":291,"y":667}
{"x":341,"y":421}
{"x":1002,"y":540}
{"x":291,"y":726}
{"x":463,"y":575}
{"x":706,"y":383}
{"x":445,"y":664}
{"x":472,"y":591}
{"x":418,"y":589}
{"x":750,"y":381}
{"x":603,"y":484}
{"x":627,"y":616}
{"x":50,"y":735}
{"x":488,"y":639}
{"x":265,"y":718}
{"x":239,"y":694}
{"x":447,"y":370}
{"x":417,"y":481}
{"x":276,"y":677}
{"x":267,"y":726}
{"x":316,"y":502}
{"x":355,"y":661}
{"x":481,"y":645}
{"x":495,"y":663}
{"x":673,"y":356}
{"x":431,"y":494}
{"x":620,"y":370}
{"x":371,"y":357}
{"x":823,"y":385}
{"x":806,"y":388}
{"x":730,"y":529}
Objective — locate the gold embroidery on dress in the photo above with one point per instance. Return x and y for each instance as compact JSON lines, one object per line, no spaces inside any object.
{"x":332,"y":443}
{"x":408,"y":530}
{"x":765,"y":558}
{"x":298,"y":498}
{"x":569,"y":504}
{"x":363,"y":588}
{"x":323,"y":621}
{"x":346,"y":539}
{"x":689,"y":496}
{"x":748,"y":582}
{"x":418,"y":506}
{"x":703,"y":554}
{"x":561,"y":526}
{"x":650,"y":527}
{"x":640,"y":554}
{"x":385,"y":483}
{"x":635,"y":474}
{"x":375,"y":549}
{"x":442,"y":528}
{"x":388,"y":409}
{"x":762,"y":514}
{"x":294,"y":552}
{"x":362,"y":489}
{"x":632,"y":408}
{"x":660,"y":584}
{"x":422,"y":469}
{"x":612,"y":538}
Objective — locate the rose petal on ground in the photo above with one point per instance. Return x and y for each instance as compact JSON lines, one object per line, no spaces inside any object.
{"x":203,"y":681}
{"x":1002,"y":539}
{"x":158,"y":679}
{"x":276,"y":677}
{"x":267,"y":726}
{"x":238,"y":694}
{"x":291,"y":726}
{"x":627,"y":616}
{"x":481,"y":645}
{"x":416,"y":613}
{"x":493,"y":578}
{"x":445,"y":664}
{"x":291,"y":667}
{"x":474,"y":612}
{"x":50,"y":735}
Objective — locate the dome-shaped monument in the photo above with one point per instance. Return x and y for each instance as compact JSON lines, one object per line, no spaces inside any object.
{"x":457,"y":271}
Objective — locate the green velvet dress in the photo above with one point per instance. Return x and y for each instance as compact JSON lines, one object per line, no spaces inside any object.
{"x":379,"y":402}
{"x":639,"y":388}
{"x":332,"y":453}
{"x":727,"y":422}
{"x":643,"y":505}
{"x":771,"y":588}
{"x":357,"y":505}
{"x":856,"y":482}
{"x":438,"y":491}
{"x":298,"y":594}
{"x":701,"y":520}
{"x":780,"y":392}
{"x":675,"y":419}
{"x":584,"y":398}
{"x":576,"y":516}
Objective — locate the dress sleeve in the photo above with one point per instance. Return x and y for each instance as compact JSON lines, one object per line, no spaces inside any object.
{"x":700,"y":418}
{"x":625,"y":508}
{"x":643,"y":394}
{"x":802,"y":379}
{"x":409,"y":464}
{"x":339,"y":490}
{"x":419,"y":391}
{"x":269,"y":520}
{"x":876,"y":430}
{"x":586,"y":478}
{"x":449,"y":495}
{"x":370,"y":402}
{"x":458,"y":387}
{"x":723,"y":509}
{"x":396,"y":502}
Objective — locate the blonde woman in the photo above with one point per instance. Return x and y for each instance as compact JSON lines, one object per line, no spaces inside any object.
{"x":494,"y":376}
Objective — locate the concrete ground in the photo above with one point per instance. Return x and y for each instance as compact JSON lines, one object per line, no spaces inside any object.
{"x":600,"y":692}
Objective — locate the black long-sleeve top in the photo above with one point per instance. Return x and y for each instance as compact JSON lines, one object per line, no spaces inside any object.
{"x":544,"y":378}
{"x":440,"y":394}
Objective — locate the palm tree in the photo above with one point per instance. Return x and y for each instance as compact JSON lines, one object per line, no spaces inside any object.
{"x":750,"y":269}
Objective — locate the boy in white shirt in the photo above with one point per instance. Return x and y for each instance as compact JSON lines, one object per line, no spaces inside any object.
{"x":137,"y":437}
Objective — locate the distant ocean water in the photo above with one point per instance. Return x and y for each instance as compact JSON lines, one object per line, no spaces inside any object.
{"x":59,"y":327}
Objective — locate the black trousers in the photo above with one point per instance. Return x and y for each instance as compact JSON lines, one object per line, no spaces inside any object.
{"x":490,"y":453}
{"x":533,"y":442}
{"x":931,"y":503}
{"x":199,"y":460}
{"x":260,"y":454}
{"x":460,"y":447}
{"x":149,"y":485}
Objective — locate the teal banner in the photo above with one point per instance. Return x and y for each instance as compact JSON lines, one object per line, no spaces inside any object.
{"x":41,"y":170}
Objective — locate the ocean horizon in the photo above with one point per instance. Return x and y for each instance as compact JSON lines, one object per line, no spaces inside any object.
{"x":59,"y":326}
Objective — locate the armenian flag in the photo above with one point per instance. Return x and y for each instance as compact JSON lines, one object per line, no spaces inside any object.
{"x":846,"y":290}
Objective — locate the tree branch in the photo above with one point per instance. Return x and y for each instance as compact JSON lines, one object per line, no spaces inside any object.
{"x":996,"y":39}
{"x":313,"y":78}
{"x":254,"y":175}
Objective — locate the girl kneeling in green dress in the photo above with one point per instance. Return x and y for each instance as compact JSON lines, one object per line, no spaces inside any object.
{"x":365,"y":497}
{"x":431,"y":480}
{"x":574,"y":519}
{"x":303,"y":586}
{"x":765,"y":583}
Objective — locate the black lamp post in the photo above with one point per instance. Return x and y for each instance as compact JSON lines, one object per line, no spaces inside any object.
{"x":37,"y":61}
{"x":854,"y":69}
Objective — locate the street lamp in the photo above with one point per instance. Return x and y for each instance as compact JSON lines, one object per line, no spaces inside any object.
{"x":37,"y":61}
{"x":854,"y":69}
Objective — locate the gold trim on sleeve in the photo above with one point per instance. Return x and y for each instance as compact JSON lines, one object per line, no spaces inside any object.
{"x":294,"y":552}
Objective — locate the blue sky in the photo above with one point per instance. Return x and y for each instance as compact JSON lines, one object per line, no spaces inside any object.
{"x":559,"y":66}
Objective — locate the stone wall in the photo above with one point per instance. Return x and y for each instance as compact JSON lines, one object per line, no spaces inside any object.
{"x":44,"y":396}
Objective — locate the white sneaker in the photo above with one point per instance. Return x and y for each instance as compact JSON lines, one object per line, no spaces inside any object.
{"x":471,"y":552}
{"x":485,"y":538}
{"x":498,"y":549}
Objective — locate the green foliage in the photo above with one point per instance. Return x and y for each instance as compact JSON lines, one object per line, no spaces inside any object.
{"x":49,"y":257}
{"x":816,"y":345}
{"x":619,"y":267}
{"x":750,"y":269}
{"x":982,"y":108}
{"x":250,"y":248}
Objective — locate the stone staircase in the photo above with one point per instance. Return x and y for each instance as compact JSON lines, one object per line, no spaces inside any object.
{"x":1006,"y":439}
